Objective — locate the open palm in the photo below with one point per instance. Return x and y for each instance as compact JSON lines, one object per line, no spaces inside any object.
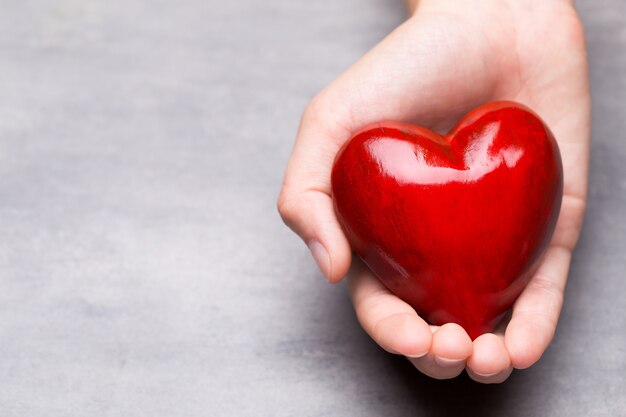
{"x":442,"y":62}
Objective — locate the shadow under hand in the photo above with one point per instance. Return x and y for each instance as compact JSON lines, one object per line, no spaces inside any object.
{"x":458,"y":396}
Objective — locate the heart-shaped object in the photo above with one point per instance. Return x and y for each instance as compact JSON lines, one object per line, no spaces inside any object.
{"x":455,"y":225}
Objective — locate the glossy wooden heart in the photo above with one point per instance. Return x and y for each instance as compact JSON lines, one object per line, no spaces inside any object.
{"x":455,"y":225}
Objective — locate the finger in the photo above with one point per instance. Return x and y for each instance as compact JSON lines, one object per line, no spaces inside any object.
{"x":391,"y":322}
{"x":305,"y":203}
{"x":451,"y":346}
{"x":536,"y":312}
{"x":570,"y":222}
{"x":489,"y":362}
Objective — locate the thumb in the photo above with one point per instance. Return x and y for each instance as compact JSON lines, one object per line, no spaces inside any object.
{"x":305,"y":202}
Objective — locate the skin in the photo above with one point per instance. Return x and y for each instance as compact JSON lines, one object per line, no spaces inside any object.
{"x":447,"y":58}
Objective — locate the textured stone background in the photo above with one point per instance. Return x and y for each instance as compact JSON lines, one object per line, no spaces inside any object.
{"x":143,"y":268}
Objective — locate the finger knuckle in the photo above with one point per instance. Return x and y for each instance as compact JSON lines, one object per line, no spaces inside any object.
{"x":315,"y":108}
{"x":286,"y":207}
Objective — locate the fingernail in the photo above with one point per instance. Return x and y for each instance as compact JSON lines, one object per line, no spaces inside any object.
{"x":417,"y":356}
{"x":321,"y":257}
{"x":485,"y":375}
{"x":448,"y":363}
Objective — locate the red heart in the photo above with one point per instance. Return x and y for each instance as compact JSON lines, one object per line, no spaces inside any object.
{"x":455,"y":225}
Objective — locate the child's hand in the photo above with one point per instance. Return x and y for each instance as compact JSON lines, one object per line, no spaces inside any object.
{"x":448,"y":58}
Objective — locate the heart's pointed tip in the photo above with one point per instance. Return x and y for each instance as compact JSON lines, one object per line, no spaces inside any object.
{"x":476,"y":330}
{"x":474,"y":334}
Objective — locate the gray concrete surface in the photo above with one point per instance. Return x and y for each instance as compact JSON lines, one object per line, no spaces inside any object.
{"x":143,"y":268}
